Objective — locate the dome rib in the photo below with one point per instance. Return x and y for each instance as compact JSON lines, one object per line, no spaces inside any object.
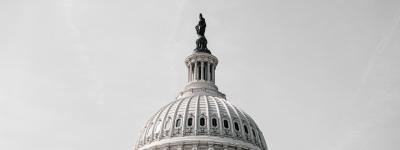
{"x":243,"y":124}
{"x":185,"y":115}
{"x":230,"y":124}
{"x":174,"y":118}
{"x":219,"y":115}
{"x":150,"y":125}
{"x":196,"y":114}
{"x":156,"y":123}
{"x":208,"y":114}
{"x":240,"y":120}
{"x":164,"y":118}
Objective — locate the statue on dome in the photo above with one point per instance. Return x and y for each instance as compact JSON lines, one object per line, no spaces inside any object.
{"x":201,"y":42}
{"x":201,"y":27}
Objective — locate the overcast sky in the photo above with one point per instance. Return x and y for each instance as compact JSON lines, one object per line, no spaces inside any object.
{"x":87,"y":74}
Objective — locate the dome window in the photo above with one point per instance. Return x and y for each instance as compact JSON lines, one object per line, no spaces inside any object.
{"x":236,"y":126}
{"x":226,"y":124}
{"x":158,"y":126}
{"x":245,"y":129}
{"x":202,"y":121}
{"x":178,"y":123}
{"x":214,"y":122}
{"x":167,"y":124}
{"x":150,"y":129}
{"x":190,"y":122}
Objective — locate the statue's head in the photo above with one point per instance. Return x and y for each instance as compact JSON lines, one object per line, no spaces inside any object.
{"x":201,"y":16}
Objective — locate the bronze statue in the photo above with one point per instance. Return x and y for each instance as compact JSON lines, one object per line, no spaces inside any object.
{"x":201,"y":27}
{"x":201,"y":42}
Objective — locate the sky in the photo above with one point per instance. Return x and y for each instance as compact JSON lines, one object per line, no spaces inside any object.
{"x":87,"y":74}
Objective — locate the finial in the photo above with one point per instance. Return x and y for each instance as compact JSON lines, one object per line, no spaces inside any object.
{"x":201,"y":42}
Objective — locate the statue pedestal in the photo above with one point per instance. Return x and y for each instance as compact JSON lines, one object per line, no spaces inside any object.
{"x":201,"y":45}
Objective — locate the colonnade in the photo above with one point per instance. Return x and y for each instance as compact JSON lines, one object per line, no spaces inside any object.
{"x":201,"y":71}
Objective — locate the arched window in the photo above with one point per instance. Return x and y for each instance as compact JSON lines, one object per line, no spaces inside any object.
{"x":158,"y":126}
{"x":190,"y":122}
{"x":150,"y":130}
{"x":214,"y":122}
{"x":178,"y":123}
{"x":167,"y":125}
{"x":236,"y":126}
{"x":226,"y":124}
{"x":202,"y":121}
{"x":245,"y":129}
{"x":254,"y":133}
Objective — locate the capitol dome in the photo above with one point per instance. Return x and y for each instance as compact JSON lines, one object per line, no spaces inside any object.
{"x":201,"y":117}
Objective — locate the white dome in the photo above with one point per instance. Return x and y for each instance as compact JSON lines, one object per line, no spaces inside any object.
{"x":201,"y":116}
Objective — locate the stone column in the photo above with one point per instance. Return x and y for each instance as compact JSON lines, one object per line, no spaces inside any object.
{"x":190,"y":72}
{"x":208,"y":71}
{"x":213,"y":72}
{"x":195,"y":70}
{"x":202,"y":71}
{"x":188,"y":67}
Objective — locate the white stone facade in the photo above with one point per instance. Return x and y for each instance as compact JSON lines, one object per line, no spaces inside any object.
{"x":201,"y":118}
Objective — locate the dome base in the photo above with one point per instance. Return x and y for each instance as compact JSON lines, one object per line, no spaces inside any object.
{"x":200,"y":88}
{"x":199,"y":143}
